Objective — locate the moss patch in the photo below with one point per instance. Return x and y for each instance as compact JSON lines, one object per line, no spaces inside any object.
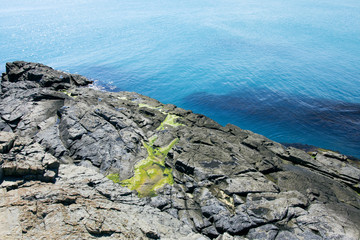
{"x":151,"y":174}
{"x":170,"y":120}
{"x":114,"y":177}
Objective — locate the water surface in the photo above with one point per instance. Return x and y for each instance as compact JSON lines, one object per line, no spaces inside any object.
{"x":286,"y":69}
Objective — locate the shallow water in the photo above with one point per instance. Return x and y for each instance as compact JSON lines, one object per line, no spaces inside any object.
{"x":287,"y":69}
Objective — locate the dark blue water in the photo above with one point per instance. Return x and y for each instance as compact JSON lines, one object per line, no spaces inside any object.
{"x":289,"y":70}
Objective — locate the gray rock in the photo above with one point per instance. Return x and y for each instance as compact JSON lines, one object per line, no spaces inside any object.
{"x":229,"y":183}
{"x":7,"y":140}
{"x":71,"y":208}
{"x":267,"y":231}
{"x":210,"y":231}
{"x":248,"y":183}
{"x":237,"y":224}
{"x":286,"y":235}
{"x":43,"y":75}
{"x":330,"y":222}
{"x":28,"y":160}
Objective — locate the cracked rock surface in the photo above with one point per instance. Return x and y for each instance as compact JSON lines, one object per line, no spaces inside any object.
{"x":60,"y":138}
{"x":82,"y":204}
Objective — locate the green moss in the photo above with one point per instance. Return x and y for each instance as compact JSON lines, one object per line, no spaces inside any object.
{"x":114,"y":177}
{"x":170,"y":120}
{"x":152,"y":140}
{"x":166,"y":150}
{"x":151,"y":174}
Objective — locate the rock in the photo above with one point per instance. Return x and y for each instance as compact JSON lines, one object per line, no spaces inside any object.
{"x":4,"y":126}
{"x":270,"y":207}
{"x":227,"y":236}
{"x":7,"y":140}
{"x":267,"y":231}
{"x":28,"y":160}
{"x":235,"y":225}
{"x":211,"y":232}
{"x":159,"y":202}
{"x":42,"y":75}
{"x":251,"y":182}
{"x":10,"y":185}
{"x":286,"y":235}
{"x":73,"y":209}
{"x":212,"y":208}
{"x":59,"y":140}
{"x":331,"y":154}
{"x":330,"y":222}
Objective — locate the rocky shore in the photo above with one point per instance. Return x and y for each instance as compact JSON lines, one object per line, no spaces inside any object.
{"x":79,"y":163}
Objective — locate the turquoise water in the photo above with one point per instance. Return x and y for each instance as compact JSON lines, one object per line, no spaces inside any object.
{"x":289,"y":70}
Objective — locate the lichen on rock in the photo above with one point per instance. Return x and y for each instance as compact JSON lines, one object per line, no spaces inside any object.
{"x":151,"y":173}
{"x":170,"y":120}
{"x":114,"y":177}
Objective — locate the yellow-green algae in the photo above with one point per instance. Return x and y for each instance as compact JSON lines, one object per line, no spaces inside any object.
{"x":151,"y":174}
{"x":170,"y":120}
{"x":114,"y":177}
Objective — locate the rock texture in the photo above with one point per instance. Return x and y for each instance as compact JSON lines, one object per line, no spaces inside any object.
{"x":59,"y":139}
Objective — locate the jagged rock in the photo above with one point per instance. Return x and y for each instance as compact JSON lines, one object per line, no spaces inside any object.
{"x":7,"y":140}
{"x":267,"y":231}
{"x":27,"y":160}
{"x":330,"y":222}
{"x":286,"y":235}
{"x":60,"y":139}
{"x":251,"y":182}
{"x":43,"y":75}
{"x":270,"y":207}
{"x":75,"y":207}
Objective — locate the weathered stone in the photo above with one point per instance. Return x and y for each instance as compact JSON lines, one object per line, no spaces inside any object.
{"x":248,"y":183}
{"x":7,"y":140}
{"x":237,"y":224}
{"x":10,"y":185}
{"x":212,"y":207}
{"x":43,"y":75}
{"x":73,"y":209}
{"x":268,"y":232}
{"x":228,"y":183}
{"x":211,"y":232}
{"x":286,"y":235}
{"x":330,"y":222}
{"x":31,"y":162}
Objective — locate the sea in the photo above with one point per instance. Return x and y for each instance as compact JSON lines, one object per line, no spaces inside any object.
{"x":286,"y":69}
